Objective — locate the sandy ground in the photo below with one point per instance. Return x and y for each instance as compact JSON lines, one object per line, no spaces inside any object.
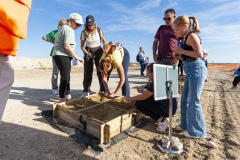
{"x":26,"y":135}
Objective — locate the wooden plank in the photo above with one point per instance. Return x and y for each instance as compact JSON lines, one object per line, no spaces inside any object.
{"x":107,"y":134}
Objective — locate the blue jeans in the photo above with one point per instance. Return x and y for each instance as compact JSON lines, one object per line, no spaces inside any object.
{"x":192,"y":118}
{"x":125,"y":64}
{"x":143,"y":67}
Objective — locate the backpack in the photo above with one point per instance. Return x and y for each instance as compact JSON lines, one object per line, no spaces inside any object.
{"x":137,"y":58}
{"x":99,"y":32}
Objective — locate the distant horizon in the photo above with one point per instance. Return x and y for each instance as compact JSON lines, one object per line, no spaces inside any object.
{"x":130,"y":61}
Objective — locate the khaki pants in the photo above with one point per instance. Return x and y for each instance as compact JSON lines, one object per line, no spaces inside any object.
{"x":6,"y":81}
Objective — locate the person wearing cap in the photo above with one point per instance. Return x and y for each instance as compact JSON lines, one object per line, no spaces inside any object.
{"x":50,"y":37}
{"x":63,"y":53}
{"x":13,"y":27}
{"x":91,"y":38}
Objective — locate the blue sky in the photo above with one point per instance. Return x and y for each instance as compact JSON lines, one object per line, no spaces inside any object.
{"x":134,"y":23}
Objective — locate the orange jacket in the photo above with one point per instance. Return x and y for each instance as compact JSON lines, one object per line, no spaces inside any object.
{"x":13,"y":24}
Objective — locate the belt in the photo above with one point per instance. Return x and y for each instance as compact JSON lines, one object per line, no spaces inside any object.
{"x":191,"y":60}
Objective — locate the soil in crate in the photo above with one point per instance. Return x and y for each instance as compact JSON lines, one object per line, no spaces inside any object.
{"x":98,"y":98}
{"x":77,"y":104}
{"x":102,"y":112}
{"x":122,"y":104}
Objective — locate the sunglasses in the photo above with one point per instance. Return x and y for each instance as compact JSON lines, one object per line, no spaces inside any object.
{"x":167,"y":19}
{"x":78,"y":25}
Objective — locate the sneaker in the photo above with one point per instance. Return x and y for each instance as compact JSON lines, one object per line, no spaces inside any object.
{"x":178,"y":128}
{"x":185,"y":133}
{"x":68,"y":97}
{"x":85,"y":94}
{"x":55,"y":91}
{"x":162,"y":126}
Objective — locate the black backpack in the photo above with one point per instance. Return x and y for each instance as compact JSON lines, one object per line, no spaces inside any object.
{"x":137,"y":58}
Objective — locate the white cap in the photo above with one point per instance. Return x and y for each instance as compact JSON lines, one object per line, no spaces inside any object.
{"x":76,"y":17}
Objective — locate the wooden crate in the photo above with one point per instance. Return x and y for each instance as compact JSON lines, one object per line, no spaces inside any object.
{"x":102,"y":121}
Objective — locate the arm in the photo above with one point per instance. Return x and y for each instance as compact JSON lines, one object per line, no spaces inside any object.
{"x":145,"y":95}
{"x":120,"y":84}
{"x":83,"y":48}
{"x":105,"y":84}
{"x":154,"y":49}
{"x":45,"y":39}
{"x":69,"y":49}
{"x":193,"y":41}
{"x":103,"y":40}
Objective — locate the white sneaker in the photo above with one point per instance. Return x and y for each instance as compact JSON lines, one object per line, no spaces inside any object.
{"x":162,"y":126}
{"x":84,"y":94}
{"x":55,"y":91}
{"x":186,"y":134}
{"x":178,"y":128}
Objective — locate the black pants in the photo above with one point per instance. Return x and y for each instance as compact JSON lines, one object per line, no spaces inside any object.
{"x":180,"y":67}
{"x":64,"y":66}
{"x":154,"y":109}
{"x":88,"y":69}
{"x":236,"y":81}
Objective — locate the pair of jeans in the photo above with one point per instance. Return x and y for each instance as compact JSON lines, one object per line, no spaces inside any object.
{"x":236,"y":81}
{"x":192,"y":118}
{"x":54,"y":79}
{"x":125,"y":64}
{"x":64,"y":66}
{"x":88,"y":69}
{"x":142,"y":67}
{"x":6,"y":81}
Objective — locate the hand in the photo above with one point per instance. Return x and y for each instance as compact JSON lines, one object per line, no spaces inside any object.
{"x":106,"y":93}
{"x":140,"y":90}
{"x":127,"y":98}
{"x":80,"y":60}
{"x":112,"y":95}
{"x":174,"y":60}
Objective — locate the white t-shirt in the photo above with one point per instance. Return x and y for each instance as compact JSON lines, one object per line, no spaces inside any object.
{"x":93,"y":39}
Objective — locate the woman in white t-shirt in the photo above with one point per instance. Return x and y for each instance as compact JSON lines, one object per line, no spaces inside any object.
{"x":91,"y":38}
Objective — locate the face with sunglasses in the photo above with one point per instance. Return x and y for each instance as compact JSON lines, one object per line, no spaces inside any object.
{"x":169,"y":18}
{"x":74,"y":25}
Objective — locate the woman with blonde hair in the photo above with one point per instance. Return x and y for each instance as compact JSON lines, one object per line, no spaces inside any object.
{"x":64,"y":52}
{"x":91,"y":38}
{"x":192,"y":119}
{"x":118,"y":58}
{"x":50,"y":37}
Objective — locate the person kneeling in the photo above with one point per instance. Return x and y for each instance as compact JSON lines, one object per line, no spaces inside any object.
{"x":157,"y":110}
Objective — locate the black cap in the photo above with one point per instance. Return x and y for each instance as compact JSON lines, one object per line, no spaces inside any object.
{"x":90,"y":20}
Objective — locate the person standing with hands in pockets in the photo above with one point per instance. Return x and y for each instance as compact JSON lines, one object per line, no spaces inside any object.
{"x":142,"y":60}
{"x":92,"y":35}
{"x":64,"y":52}
{"x":192,"y":119}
